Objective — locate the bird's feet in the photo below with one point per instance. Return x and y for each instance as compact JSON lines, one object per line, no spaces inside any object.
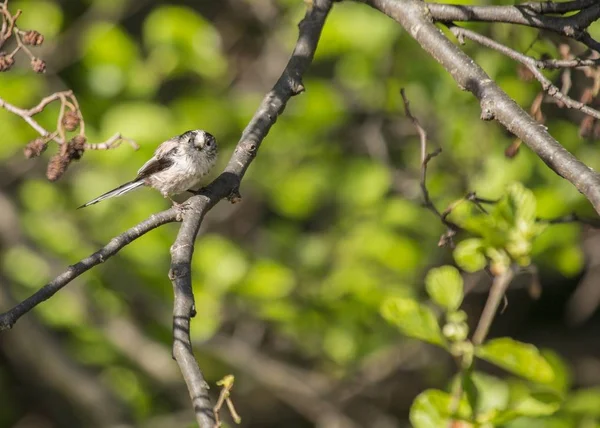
{"x":181,"y":208}
{"x":235,"y":196}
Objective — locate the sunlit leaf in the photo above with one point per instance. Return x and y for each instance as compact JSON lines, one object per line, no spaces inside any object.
{"x":469,"y":256}
{"x":413,"y":319}
{"x":433,"y":408}
{"x":516,"y":357}
{"x":445,"y":286}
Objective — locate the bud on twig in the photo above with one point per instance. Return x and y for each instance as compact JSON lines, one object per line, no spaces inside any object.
{"x":35,"y":148}
{"x":70,"y":120}
{"x":33,"y":38}
{"x":57,"y":166}
{"x":6,"y":62}
{"x":38,"y":65}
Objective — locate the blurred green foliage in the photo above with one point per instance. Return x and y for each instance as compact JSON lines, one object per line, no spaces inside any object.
{"x":321,"y":239}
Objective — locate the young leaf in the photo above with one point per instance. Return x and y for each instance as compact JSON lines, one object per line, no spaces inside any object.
{"x":469,"y":255}
{"x":445,"y":286}
{"x":584,"y":402}
{"x":523,"y":201}
{"x":529,"y":404}
{"x":413,"y":319}
{"x":516,"y":357}
{"x":432,"y":408}
{"x":538,"y":404}
{"x":562,"y":375}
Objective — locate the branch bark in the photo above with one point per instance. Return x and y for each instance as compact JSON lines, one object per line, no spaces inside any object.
{"x":529,"y":14}
{"x":497,"y":292}
{"x":10,"y":317}
{"x":531,"y":63}
{"x":226,"y":186}
{"x":414,"y":16}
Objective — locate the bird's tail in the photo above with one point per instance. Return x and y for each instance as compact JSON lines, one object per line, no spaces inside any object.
{"x":127,"y":187}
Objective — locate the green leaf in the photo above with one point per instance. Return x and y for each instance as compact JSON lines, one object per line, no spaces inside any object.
{"x":492,"y":393}
{"x":562,"y":374}
{"x":584,"y":402}
{"x":432,"y":407}
{"x":538,"y":404}
{"x":469,"y":256}
{"x":413,"y":319}
{"x":445,"y":286}
{"x":531,"y":404}
{"x":499,"y":259}
{"x":523,"y":203}
{"x":516,"y":357}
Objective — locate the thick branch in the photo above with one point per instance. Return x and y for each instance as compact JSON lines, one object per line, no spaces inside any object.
{"x":226,"y":185}
{"x":10,"y":317}
{"x":495,"y":103}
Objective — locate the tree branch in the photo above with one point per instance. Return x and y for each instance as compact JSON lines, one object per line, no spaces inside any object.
{"x":497,"y":292}
{"x":10,"y":317}
{"x":27,"y":116}
{"x":532,"y":64}
{"x":529,"y":14}
{"x":495,"y":103}
{"x":226,"y":186}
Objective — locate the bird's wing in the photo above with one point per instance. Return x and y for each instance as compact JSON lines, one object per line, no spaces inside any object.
{"x":161,"y":160}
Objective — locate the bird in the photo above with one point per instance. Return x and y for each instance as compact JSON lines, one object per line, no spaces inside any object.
{"x":178,"y":165}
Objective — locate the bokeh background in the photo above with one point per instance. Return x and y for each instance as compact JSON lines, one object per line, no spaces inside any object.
{"x":288,"y":282}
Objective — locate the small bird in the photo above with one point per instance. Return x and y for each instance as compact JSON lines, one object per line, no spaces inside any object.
{"x":178,"y":165}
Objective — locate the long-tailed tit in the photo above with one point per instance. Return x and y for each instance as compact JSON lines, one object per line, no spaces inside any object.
{"x":178,"y":165}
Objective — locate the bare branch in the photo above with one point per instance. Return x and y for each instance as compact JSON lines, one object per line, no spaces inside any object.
{"x":529,"y":14}
{"x":495,"y":103}
{"x":425,"y":156}
{"x":572,"y":218}
{"x":225,"y":398}
{"x":226,"y":186}
{"x":10,"y":317}
{"x":497,"y":292}
{"x":27,"y":118}
{"x":68,"y":100}
{"x":304,"y":391}
{"x":112,"y":143}
{"x":531,"y":63}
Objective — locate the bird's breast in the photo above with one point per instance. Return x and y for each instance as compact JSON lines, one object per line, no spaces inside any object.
{"x":185,"y":173}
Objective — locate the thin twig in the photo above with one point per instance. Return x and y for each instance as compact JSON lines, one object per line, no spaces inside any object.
{"x":497,"y":292}
{"x":532,"y":14}
{"x":112,"y":143}
{"x":225,"y":398}
{"x":531,"y":63}
{"x":495,"y":103}
{"x":10,"y":317}
{"x":68,"y":99}
{"x":452,"y":228}
{"x":572,"y":218}
{"x":24,"y":114}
